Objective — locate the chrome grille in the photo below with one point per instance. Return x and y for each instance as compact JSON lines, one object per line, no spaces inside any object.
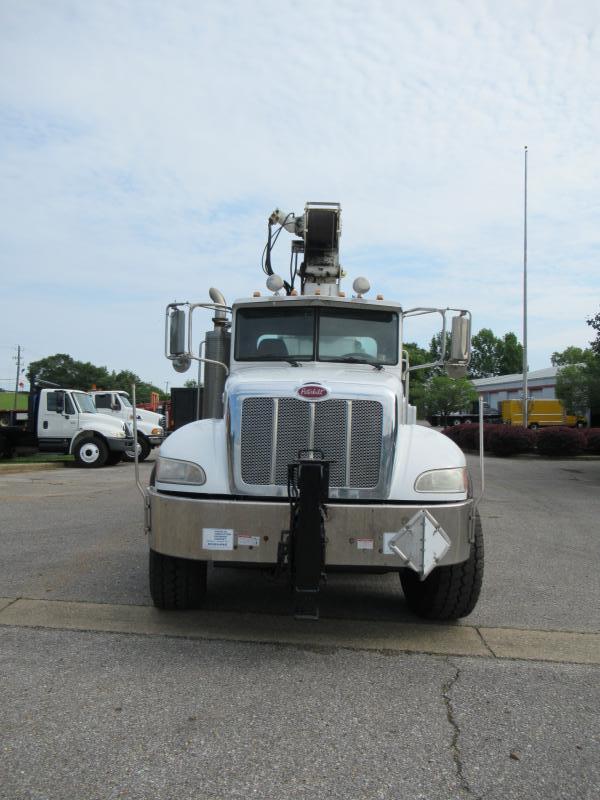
{"x":349,"y":432}
{"x":257,"y":437}
{"x":293,"y":434}
{"x":365,"y":446}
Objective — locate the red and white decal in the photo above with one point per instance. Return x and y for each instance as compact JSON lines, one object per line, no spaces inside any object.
{"x":312,"y":391}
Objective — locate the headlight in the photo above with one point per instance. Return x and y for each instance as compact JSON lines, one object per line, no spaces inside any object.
{"x":171,"y":470}
{"x":156,"y":432}
{"x":443,"y":480}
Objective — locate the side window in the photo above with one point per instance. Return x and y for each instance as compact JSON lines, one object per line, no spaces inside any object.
{"x":69,"y":405}
{"x":102,"y":401}
{"x":51,"y":401}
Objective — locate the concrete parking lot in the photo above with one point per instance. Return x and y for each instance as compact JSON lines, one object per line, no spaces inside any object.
{"x":102,"y":696}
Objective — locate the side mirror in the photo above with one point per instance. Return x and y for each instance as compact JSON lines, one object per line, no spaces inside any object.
{"x":60,"y":402}
{"x":460,"y":347}
{"x":176,"y":323}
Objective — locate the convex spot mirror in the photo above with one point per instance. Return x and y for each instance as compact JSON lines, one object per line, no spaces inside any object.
{"x":182,"y":363}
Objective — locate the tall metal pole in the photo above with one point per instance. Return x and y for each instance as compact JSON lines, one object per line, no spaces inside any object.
{"x":525,"y":388}
{"x":17,"y":378}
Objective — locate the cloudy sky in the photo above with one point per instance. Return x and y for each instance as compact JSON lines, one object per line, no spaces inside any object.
{"x":143,"y":145}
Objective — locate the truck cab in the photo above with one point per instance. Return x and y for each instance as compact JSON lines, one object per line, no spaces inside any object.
{"x":310,"y":457}
{"x":151,"y":426}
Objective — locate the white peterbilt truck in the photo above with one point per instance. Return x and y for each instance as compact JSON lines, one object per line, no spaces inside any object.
{"x":308,"y":456}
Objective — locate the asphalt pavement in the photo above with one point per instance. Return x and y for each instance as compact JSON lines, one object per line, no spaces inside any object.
{"x":100,"y":697}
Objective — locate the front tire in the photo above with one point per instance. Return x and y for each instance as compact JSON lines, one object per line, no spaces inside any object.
{"x":448,"y":592}
{"x":145,"y":449}
{"x":90,"y":452}
{"x":176,"y":584}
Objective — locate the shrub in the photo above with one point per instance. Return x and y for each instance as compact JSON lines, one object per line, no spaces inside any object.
{"x":560,"y":442}
{"x":466,"y":436}
{"x":592,"y":440}
{"x":452,"y":432}
{"x":509,"y":440}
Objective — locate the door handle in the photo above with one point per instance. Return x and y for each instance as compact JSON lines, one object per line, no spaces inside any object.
{"x":45,"y":424}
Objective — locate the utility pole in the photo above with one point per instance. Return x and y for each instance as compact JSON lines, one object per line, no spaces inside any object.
{"x":17,"y":378}
{"x":525,"y":387}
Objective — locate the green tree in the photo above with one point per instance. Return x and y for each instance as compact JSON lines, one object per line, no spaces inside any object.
{"x":435,"y":347}
{"x":570,"y":355}
{"x":417,"y":380}
{"x":446,"y":395}
{"x":65,"y":371}
{"x":511,"y":355}
{"x":594,"y":322}
{"x":578,"y":378}
{"x":575,"y":387}
{"x":485,"y":354}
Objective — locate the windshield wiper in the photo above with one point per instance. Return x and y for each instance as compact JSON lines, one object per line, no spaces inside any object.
{"x":293,"y":362}
{"x":356,"y":360}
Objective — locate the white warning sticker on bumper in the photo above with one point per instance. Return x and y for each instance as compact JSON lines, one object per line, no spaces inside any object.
{"x":244,"y":540}
{"x":364,"y":544}
{"x":217,"y":539}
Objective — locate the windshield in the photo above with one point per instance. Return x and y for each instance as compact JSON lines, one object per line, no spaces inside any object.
{"x":317,"y":334}
{"x":84,"y":402}
{"x":124,"y":401}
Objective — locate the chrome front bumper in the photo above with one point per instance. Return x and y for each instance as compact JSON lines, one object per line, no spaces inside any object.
{"x":249,"y":530}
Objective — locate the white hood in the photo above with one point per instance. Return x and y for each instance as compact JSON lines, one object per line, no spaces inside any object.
{"x":340,"y":380}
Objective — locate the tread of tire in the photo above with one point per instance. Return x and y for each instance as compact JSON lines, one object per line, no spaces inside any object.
{"x":176,"y":583}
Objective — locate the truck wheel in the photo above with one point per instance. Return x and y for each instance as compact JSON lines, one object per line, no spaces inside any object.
{"x":90,"y":452}
{"x":176,"y":583}
{"x":534,"y":426}
{"x":144,"y":450}
{"x":447,"y":592}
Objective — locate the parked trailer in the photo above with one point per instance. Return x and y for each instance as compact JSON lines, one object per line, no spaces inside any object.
{"x":308,"y":458}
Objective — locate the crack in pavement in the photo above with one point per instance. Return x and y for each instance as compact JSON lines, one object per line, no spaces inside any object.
{"x":464,"y":786}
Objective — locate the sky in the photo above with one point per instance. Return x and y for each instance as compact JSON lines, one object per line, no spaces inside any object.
{"x":143,"y":146}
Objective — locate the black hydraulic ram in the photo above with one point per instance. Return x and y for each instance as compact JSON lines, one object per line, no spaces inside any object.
{"x":308,"y":489}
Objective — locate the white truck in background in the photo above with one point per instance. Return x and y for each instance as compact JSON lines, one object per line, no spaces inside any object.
{"x":308,"y":457}
{"x":66,"y":421}
{"x":151,"y":427}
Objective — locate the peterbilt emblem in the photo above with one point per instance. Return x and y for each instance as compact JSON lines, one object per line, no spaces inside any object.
{"x":312,"y":391}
